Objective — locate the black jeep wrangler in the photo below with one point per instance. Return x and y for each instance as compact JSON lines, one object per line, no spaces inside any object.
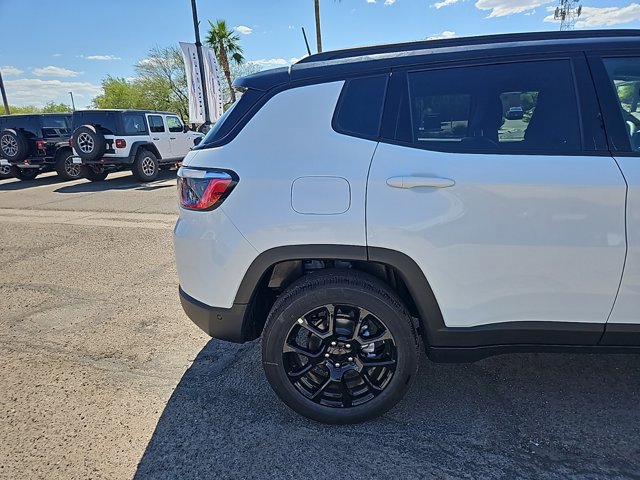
{"x":36,"y":143}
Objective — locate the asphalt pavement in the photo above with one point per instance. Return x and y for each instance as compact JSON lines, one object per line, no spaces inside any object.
{"x":103,"y":376}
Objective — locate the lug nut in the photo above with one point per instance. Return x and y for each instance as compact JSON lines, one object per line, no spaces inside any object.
{"x":326,"y":355}
{"x":333,"y":344}
{"x":337,"y":365}
{"x":348,"y":345}
{"x":300,"y":321}
{"x":350,"y":359}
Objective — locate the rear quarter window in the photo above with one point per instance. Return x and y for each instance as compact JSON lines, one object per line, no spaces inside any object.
{"x":359,"y":109}
{"x":107,"y":122}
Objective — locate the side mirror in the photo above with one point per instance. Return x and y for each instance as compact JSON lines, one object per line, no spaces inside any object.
{"x":185,"y":128}
{"x":197,"y":140}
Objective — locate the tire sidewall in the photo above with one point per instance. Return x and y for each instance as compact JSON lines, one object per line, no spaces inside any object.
{"x":20,"y":173}
{"x":22,"y":145}
{"x":138,"y":171}
{"x":401,"y":329}
{"x":88,"y":172}
{"x":61,"y":167}
{"x":99,"y":142}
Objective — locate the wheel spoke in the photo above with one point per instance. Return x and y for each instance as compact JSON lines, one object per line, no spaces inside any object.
{"x":386,"y":335}
{"x":313,"y":329}
{"x":377,"y":363}
{"x":362,"y":314}
{"x":347,"y":398}
{"x":322,"y":388}
{"x":303,"y":371}
{"x":288,"y":348}
{"x":367,"y":380}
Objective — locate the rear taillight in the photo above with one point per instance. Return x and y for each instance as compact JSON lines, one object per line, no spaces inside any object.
{"x":41,"y":144}
{"x":204,"y":189}
{"x":121,"y":143}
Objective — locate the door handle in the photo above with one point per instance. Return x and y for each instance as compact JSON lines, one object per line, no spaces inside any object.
{"x":172,"y":138}
{"x":156,"y":138}
{"x":413,"y":181}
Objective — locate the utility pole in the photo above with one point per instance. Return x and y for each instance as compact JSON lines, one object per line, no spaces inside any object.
{"x":316,"y":4}
{"x":73,"y":104}
{"x":4,"y":96}
{"x":568,"y":13}
{"x":196,"y":27}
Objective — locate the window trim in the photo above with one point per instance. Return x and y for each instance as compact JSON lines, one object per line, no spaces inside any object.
{"x":341,"y":99}
{"x":179,"y":121}
{"x":617,"y":136}
{"x":164,"y":127}
{"x":398,"y":90}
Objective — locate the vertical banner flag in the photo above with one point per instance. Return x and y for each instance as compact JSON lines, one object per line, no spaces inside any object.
{"x":194,"y":83}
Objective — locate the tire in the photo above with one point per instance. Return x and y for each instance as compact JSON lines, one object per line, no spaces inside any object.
{"x":65,"y":168}
{"x":5,"y":172}
{"x":341,"y":384}
{"x":94,"y":174}
{"x":24,"y":173}
{"x":145,"y":166}
{"x":89,"y":143}
{"x":13,"y":145}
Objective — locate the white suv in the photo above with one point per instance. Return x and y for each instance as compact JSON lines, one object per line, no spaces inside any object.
{"x":140,"y":140}
{"x":364,"y":202}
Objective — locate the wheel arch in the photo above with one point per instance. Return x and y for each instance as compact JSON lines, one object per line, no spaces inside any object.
{"x":396,"y":269}
{"x":136,"y":146}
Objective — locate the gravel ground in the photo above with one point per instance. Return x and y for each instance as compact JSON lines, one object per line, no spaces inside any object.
{"x":103,"y":376}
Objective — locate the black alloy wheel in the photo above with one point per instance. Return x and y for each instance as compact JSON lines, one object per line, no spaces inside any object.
{"x":340,"y":347}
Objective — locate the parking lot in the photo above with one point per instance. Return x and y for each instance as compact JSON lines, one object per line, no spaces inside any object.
{"x":103,"y":376}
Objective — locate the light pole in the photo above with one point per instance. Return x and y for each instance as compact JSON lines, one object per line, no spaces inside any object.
{"x":207,"y":118}
{"x":73,"y":104}
{"x":4,"y":96}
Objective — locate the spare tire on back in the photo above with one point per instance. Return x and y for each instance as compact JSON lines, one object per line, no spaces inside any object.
{"x":13,"y":145}
{"x":89,"y":143}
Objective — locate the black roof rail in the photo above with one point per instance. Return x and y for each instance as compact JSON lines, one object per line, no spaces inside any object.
{"x":467,"y":41}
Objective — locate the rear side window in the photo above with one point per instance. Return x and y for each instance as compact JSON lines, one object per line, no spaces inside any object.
{"x":624,"y":74}
{"x":134,"y":124}
{"x":506,"y":108}
{"x":360,"y":107}
{"x":156,"y":125}
{"x":107,"y":122}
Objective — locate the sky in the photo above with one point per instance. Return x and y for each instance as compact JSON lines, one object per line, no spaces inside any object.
{"x":49,"y":48}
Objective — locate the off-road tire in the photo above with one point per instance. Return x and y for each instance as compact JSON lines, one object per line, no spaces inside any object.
{"x":14,"y":145}
{"x":94,"y":174}
{"x":145,"y":167}
{"x":65,"y":168}
{"x":24,"y":173}
{"x":89,"y":143}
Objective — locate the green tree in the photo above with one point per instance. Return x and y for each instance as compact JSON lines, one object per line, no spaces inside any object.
{"x":121,"y":93}
{"x":225,"y":44}
{"x":53,"y":107}
{"x":50,"y":107}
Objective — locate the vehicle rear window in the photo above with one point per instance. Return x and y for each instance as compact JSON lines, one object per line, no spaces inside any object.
{"x":360,"y":106}
{"x":134,"y":124}
{"x":53,"y":126}
{"x":510,"y":108}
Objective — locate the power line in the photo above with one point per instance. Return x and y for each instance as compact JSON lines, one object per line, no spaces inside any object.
{"x":568,"y":13}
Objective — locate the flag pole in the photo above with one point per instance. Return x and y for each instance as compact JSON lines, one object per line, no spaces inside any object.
{"x":4,"y":96}
{"x":207,"y":117}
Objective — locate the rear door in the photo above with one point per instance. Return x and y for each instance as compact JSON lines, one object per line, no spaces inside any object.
{"x":517,"y":224}
{"x":618,"y":80}
{"x":160,"y":135}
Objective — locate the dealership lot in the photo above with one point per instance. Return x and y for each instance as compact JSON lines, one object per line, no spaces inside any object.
{"x":103,"y":376}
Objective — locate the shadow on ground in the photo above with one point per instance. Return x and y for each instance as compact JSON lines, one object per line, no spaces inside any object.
{"x":512,"y":416}
{"x":15,"y":184}
{"x":120,"y":183}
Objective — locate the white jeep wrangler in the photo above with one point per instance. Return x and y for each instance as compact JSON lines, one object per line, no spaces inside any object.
{"x":140,"y":140}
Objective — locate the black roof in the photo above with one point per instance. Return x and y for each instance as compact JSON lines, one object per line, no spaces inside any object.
{"x":370,"y":59}
{"x":121,"y":110}
{"x":16,"y":115}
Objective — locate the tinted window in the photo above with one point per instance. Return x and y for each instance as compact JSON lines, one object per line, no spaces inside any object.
{"x":360,"y":106}
{"x":510,"y":108}
{"x":106,"y":121}
{"x":133,"y":124}
{"x":55,"y":125}
{"x":156,"y":125}
{"x":625,"y":78}
{"x":174,"y":124}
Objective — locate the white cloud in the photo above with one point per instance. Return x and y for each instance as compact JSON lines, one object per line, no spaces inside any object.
{"x":389,"y":2}
{"x":501,"y":8}
{"x":102,"y":57}
{"x":35,"y":91}
{"x":52,"y":71}
{"x":243,"y":29}
{"x":56,"y":55}
{"x":604,"y":16}
{"x":445,"y":34}
{"x":444,"y":3}
{"x":371,"y":1}
{"x":532,"y":12}
{"x":8,"y":70}
{"x":291,"y":27}
{"x":264,"y":62}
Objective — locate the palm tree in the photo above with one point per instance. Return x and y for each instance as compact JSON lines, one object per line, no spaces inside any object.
{"x":225,"y":44}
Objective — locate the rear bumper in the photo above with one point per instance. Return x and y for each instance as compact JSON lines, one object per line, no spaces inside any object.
{"x":223,"y":323}
{"x":105,"y":161}
{"x":33,"y":162}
